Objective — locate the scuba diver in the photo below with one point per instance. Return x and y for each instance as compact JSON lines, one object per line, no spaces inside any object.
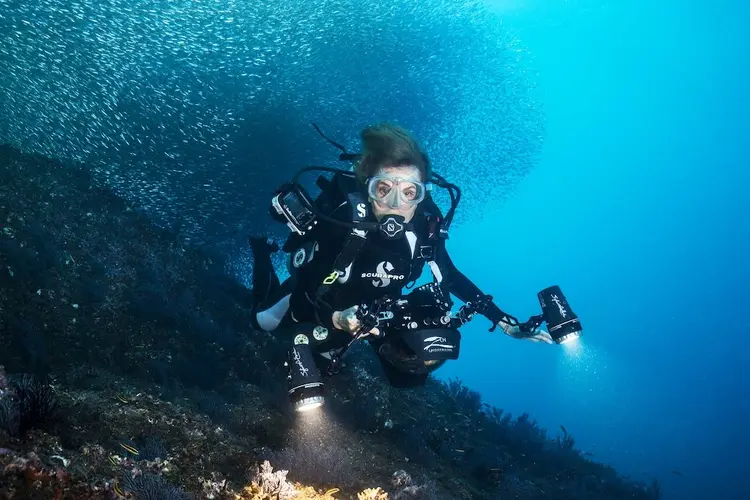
{"x":357,"y":246}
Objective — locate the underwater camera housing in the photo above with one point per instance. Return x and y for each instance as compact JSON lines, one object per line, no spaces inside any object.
{"x":289,"y":206}
{"x":419,"y":333}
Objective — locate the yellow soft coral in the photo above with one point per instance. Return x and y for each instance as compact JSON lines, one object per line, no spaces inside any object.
{"x":309,"y":493}
{"x":372,"y":494}
{"x":255,"y":492}
{"x":270,"y":485}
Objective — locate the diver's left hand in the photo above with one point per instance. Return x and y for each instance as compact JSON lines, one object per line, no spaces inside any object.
{"x":540,"y":335}
{"x":537,"y":335}
{"x":348,"y":321}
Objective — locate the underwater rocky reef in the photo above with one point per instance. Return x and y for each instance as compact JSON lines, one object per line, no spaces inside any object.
{"x":129,"y":371}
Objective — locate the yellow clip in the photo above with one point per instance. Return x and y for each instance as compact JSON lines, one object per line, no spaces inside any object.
{"x":331,"y":278}
{"x":129,"y":448}
{"x":331,"y":492}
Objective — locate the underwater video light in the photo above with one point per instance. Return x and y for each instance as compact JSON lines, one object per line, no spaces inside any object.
{"x":562,"y":323}
{"x":305,"y":382}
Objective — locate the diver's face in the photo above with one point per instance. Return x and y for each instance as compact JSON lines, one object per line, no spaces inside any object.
{"x":395,"y":191}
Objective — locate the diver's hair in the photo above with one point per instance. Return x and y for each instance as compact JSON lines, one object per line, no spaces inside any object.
{"x":387,"y":144}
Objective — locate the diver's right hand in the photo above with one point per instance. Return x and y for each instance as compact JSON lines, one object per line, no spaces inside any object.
{"x":347,"y":321}
{"x":537,"y":335}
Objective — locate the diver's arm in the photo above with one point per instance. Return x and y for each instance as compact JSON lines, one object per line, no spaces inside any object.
{"x":452,"y":279}
{"x":462,"y":287}
{"x":305,"y":305}
{"x":306,"y":309}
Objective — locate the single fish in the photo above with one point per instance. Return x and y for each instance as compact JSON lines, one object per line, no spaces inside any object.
{"x":116,"y":488}
{"x":129,"y":448}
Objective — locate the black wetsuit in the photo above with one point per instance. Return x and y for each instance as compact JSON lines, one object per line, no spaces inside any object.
{"x":382,"y":267}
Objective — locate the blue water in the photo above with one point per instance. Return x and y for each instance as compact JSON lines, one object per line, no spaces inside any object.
{"x":610,"y":139}
{"x":639,"y":210}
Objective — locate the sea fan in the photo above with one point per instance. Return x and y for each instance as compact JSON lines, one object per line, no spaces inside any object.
{"x":151,"y":448}
{"x":3,"y":381}
{"x":29,"y":403}
{"x":36,"y":400}
{"x":10,"y":417}
{"x":152,"y":487}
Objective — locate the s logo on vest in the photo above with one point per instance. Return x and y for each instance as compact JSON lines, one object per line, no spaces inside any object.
{"x":361,"y":210}
{"x":382,"y":275}
{"x":304,"y":254}
{"x":299,"y":258}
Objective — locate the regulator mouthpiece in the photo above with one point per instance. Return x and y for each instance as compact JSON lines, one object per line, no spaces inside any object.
{"x":562,"y":323}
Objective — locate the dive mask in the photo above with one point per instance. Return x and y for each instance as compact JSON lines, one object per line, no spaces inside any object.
{"x":395,"y":191}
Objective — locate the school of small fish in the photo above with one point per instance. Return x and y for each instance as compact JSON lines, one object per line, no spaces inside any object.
{"x":196,"y":110}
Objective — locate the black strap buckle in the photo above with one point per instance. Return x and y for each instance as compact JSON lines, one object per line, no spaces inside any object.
{"x":426,"y":252}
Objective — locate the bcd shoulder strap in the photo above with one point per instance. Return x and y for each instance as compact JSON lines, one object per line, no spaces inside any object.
{"x":341,"y":270}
